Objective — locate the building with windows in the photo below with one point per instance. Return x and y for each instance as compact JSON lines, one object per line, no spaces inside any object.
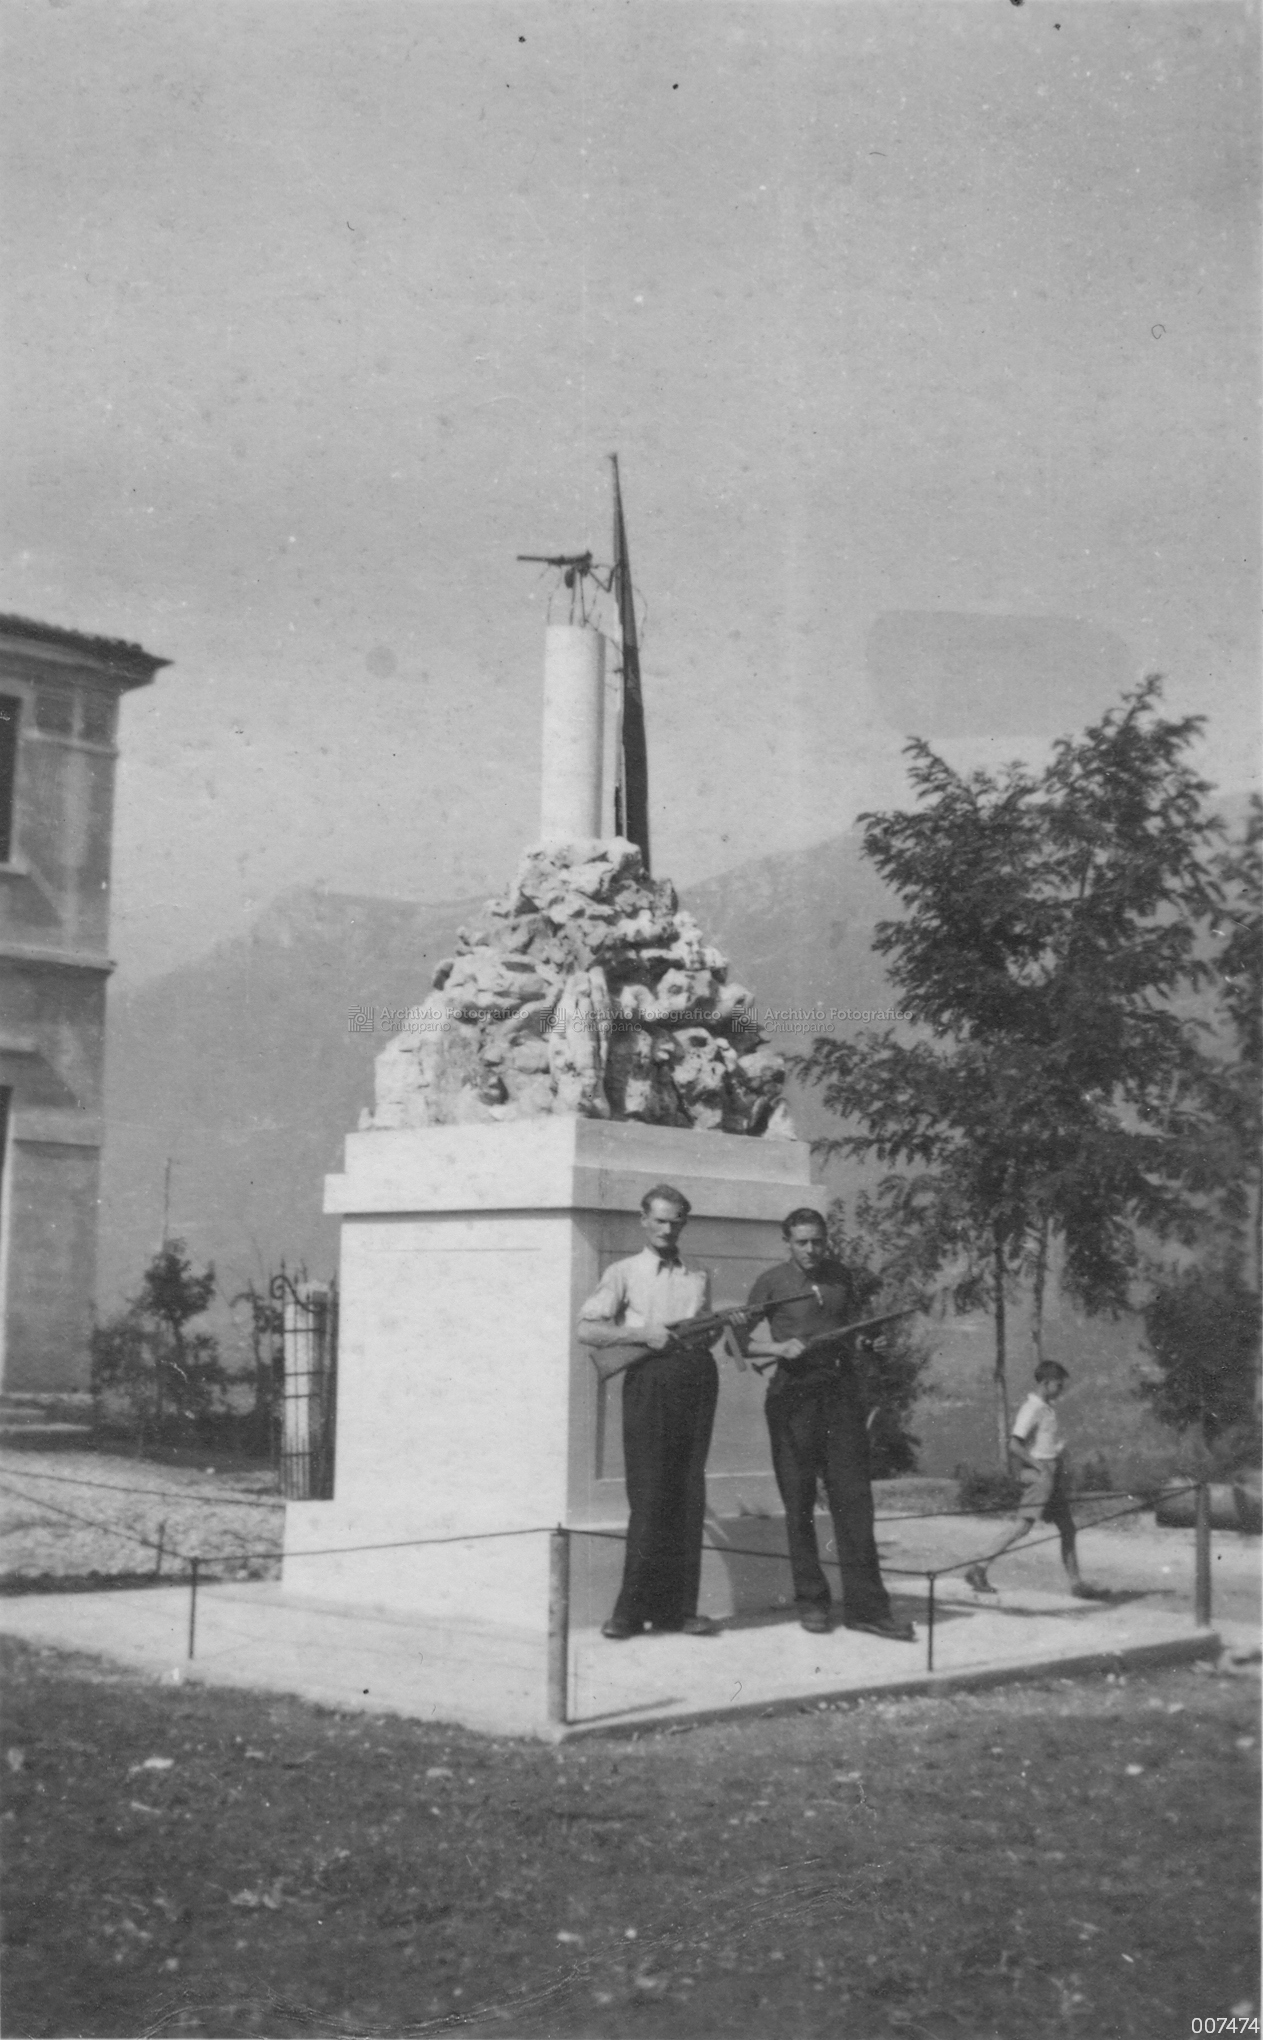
{"x":59,"y":696}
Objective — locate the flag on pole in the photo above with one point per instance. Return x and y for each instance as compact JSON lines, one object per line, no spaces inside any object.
{"x":633,"y":807}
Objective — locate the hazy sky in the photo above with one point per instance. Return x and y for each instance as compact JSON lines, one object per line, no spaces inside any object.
{"x":319,"y":312}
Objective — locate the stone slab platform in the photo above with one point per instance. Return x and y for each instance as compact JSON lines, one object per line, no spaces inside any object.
{"x":256,"y":1636}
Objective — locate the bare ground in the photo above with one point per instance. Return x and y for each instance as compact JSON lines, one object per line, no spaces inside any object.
{"x":1074,"y":1858}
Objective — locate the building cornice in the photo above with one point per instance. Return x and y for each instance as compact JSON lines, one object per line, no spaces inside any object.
{"x":127,"y":665}
{"x":52,"y":1126}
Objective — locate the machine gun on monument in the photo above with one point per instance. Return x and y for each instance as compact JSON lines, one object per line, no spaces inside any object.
{"x":575,"y":569}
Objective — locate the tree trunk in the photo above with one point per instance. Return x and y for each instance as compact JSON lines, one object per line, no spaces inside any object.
{"x":1001,"y":1380}
{"x":1257,"y":1230}
{"x":1041,"y":1280}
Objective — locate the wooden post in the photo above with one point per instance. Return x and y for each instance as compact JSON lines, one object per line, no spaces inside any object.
{"x":929,"y":1628}
{"x":1201,"y":1611}
{"x":193,"y":1603}
{"x":1001,"y":1350}
{"x":558,"y":1622}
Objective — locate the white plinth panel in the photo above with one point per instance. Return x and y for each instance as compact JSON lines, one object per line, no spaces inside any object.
{"x":466,"y":1405}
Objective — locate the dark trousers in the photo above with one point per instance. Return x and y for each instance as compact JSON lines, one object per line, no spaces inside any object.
{"x":818,"y":1434}
{"x":668,"y":1411}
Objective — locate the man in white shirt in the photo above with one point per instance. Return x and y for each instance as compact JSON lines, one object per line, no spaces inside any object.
{"x":668,"y":1411}
{"x":1037,"y":1441}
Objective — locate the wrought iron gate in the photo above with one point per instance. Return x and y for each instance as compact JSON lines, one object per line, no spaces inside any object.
{"x":309,"y":1398}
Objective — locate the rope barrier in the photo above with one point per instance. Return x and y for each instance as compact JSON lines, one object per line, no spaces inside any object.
{"x":93,"y":1522}
{"x":235,"y":1498}
{"x":407,"y":1543}
{"x":1027,"y":1544}
{"x":559,"y":1591}
{"x":578,"y":1530}
{"x":901,"y":1572}
{"x":273,"y":1551}
{"x":1004,"y":1508}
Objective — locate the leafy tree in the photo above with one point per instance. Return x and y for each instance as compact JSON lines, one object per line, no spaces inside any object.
{"x":1202,"y":1327}
{"x":1202,"y":1320}
{"x":1054,"y":1096}
{"x":148,"y":1355}
{"x":1238,"y":971}
{"x":267,"y":1320}
{"x":874,"y":1249}
{"x":1239,"y":962}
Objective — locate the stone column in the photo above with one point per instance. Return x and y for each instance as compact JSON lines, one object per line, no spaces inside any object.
{"x":574,"y":714}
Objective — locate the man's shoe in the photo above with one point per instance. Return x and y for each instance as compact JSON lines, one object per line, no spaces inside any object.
{"x":1083,"y":1592}
{"x":698,"y":1625}
{"x":815,"y":1621}
{"x":618,"y":1632}
{"x":890,"y":1627}
{"x":976,"y":1577}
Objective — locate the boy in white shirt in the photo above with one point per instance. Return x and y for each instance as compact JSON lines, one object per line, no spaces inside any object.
{"x":1038,"y":1443}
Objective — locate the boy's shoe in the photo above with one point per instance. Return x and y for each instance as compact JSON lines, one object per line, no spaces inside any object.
{"x":698,"y":1625}
{"x":1083,"y":1592}
{"x":815,"y":1621}
{"x":618,"y":1632}
{"x":890,"y":1626}
{"x":976,"y":1577}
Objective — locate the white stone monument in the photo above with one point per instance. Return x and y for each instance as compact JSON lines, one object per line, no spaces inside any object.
{"x":466,"y":1406}
{"x":481,"y":1202}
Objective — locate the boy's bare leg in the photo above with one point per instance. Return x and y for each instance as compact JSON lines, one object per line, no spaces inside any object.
{"x":1069,"y":1556}
{"x":976,"y":1575}
{"x":1070,"y":1559}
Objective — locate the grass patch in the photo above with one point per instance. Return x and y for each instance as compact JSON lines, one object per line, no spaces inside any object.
{"x":1076,"y":1857}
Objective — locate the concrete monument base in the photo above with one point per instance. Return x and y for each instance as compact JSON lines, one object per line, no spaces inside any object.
{"x":467,"y":1410}
{"x":254,"y":1635}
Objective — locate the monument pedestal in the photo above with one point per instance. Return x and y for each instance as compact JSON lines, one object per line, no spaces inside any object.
{"x":468,"y":1411}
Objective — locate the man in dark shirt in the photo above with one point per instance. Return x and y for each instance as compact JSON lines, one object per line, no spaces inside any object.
{"x":815,"y":1418}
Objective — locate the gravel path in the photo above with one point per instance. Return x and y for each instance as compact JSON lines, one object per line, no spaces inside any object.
{"x":70,"y":1515}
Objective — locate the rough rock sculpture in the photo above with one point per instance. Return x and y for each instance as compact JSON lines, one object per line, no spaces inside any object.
{"x":584,"y":990}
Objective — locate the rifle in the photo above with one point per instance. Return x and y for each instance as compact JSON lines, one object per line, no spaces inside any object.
{"x":687,"y":1333}
{"x":831,"y":1338}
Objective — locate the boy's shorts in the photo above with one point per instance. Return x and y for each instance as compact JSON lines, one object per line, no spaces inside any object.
{"x":1045,"y":1494}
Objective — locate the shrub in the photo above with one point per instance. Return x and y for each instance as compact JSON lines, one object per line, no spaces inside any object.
{"x":148,"y":1369}
{"x":892,"y":1447}
{"x":1094,"y":1476}
{"x":984,"y":1491}
{"x":1202,"y":1328}
{"x":1236,"y":1448}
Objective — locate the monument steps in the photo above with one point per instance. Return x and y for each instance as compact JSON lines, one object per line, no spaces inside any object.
{"x":45,"y":1423}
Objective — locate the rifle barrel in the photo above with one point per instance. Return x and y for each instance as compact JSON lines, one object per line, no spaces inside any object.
{"x":689,"y":1329}
{"x":837,"y":1332}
